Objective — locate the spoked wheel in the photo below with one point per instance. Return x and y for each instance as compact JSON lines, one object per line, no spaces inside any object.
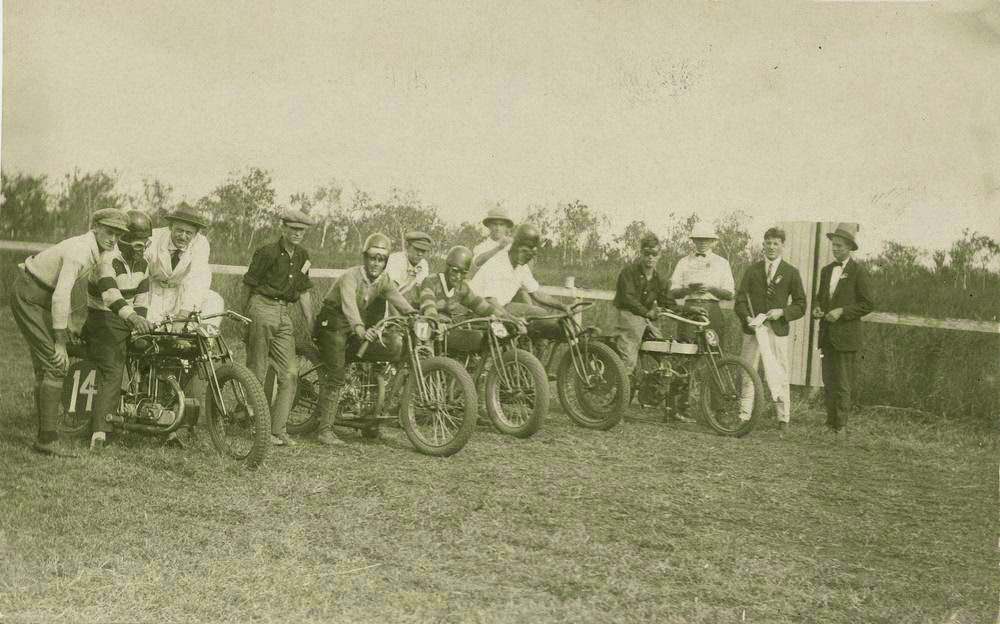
{"x":597,"y":400}
{"x":438,"y":410}
{"x":518,"y":400}
{"x":302,"y":416}
{"x":723,"y":392}
{"x":240,"y":425}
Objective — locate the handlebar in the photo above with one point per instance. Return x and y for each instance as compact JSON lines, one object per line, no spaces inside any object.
{"x":485,"y":319}
{"x":397,"y":320}
{"x":195,"y":317}
{"x":575,"y":307}
{"x":677,"y":317}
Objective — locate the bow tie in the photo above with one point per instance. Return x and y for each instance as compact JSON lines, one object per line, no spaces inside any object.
{"x":840,"y":264}
{"x":699,"y":255}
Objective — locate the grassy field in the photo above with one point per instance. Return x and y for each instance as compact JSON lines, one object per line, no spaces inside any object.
{"x":645,"y":523}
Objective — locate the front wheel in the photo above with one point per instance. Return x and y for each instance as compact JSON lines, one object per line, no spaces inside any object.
{"x":438,"y":408}
{"x":240,"y":425}
{"x":518,"y":400}
{"x":725,"y":402}
{"x":599,"y":398}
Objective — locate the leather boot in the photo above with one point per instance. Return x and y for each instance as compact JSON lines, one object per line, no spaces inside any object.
{"x":326,"y":413}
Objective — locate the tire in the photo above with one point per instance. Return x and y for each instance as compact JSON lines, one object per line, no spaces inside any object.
{"x":302,"y":416}
{"x":243,"y":432}
{"x":526,"y":404}
{"x":449,"y":381}
{"x":576,"y":400}
{"x":719,"y":395}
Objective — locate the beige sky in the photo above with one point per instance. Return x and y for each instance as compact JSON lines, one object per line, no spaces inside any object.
{"x":884,"y":114}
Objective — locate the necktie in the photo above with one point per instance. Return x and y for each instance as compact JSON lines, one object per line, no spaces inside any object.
{"x":175,"y":257}
{"x":771,"y":268}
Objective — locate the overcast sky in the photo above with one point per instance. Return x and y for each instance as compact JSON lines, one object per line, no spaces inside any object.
{"x":883,"y":114}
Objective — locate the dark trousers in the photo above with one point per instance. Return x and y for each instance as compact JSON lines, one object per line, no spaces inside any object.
{"x":838,"y":386}
{"x":106,"y":335}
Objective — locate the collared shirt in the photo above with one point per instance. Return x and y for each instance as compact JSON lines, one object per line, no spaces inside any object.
{"x":711,"y":270}
{"x":192,"y":276}
{"x":638,"y":294}
{"x":406,"y":275}
{"x":836,"y":274}
{"x":771,"y":266}
{"x":276,"y":274}
{"x":435,"y":295}
{"x":353,"y":292}
{"x":119,"y":287}
{"x":499,"y":279}
{"x":59,"y":266}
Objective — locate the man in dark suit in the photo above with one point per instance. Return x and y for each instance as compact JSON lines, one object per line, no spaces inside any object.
{"x":842,"y":299}
{"x":770,"y":296}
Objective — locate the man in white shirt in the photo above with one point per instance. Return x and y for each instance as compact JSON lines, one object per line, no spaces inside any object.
{"x":179,"y":274}
{"x":503,"y":275}
{"x":40,"y":304}
{"x":702,"y":278}
{"x":499,"y":223}
{"x":409,"y":268}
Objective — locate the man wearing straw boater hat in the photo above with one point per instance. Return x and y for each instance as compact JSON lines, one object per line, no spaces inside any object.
{"x":40,"y":303}
{"x":500,"y":225}
{"x":842,"y":299}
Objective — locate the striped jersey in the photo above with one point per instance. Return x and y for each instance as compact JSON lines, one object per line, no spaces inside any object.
{"x":119,"y":286}
{"x":435,"y":295}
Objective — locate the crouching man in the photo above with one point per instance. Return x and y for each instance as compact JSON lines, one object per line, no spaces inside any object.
{"x":341,"y":325}
{"x":117,"y":299}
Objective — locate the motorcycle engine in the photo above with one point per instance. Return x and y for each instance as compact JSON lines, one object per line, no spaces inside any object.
{"x":654,"y":386}
{"x":154,"y":413}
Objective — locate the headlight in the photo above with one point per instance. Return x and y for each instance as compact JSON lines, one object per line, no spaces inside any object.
{"x":499,"y":329}
{"x":711,"y":338}
{"x":422,"y":330}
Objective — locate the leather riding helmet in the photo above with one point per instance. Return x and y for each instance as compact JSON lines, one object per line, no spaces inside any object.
{"x":459,"y":257}
{"x":526,"y":235}
{"x":377,"y":240}
{"x":140,"y":227}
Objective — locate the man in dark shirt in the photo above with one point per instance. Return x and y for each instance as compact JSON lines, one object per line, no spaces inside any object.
{"x":640,"y":292}
{"x":277,"y":278}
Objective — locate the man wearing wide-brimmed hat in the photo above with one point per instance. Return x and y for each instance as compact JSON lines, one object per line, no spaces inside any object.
{"x":703,"y":279}
{"x":40,"y":303}
{"x":276,"y":280}
{"x":842,"y":299}
{"x":179,"y":275}
{"x":500,"y":225}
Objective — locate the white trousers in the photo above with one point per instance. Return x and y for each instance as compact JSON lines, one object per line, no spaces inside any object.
{"x":767,"y":348}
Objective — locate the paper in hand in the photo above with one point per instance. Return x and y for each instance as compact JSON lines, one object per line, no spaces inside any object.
{"x":758,"y":321}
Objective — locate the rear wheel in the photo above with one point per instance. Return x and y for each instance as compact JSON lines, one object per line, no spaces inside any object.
{"x":302,"y":416}
{"x":518,"y":401}
{"x":240,"y":425}
{"x":723,"y":391}
{"x":597,"y":400}
{"x":440,"y":417}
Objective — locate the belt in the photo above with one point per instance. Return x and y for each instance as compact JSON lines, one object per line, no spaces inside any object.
{"x":277,"y":300}
{"x":39,"y":282}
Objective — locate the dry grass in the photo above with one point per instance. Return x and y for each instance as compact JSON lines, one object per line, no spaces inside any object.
{"x":643,"y":523}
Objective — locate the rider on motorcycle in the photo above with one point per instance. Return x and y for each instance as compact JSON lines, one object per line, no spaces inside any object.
{"x":341,"y":324}
{"x":118,"y":298}
{"x":449,"y":293}
{"x":501,"y":277}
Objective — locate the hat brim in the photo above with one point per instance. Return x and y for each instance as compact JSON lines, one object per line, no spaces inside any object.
{"x":297,"y":225}
{"x":421,"y":245}
{"x":508,"y":222}
{"x":850,"y":241}
{"x":189,"y":220}
{"x":703,"y":237}
{"x":118,"y":228}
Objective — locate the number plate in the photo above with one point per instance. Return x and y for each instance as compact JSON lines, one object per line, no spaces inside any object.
{"x":80,"y":388}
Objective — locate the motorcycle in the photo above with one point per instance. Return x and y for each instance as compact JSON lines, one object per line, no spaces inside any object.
{"x":158,"y":366}
{"x":591,"y":380}
{"x":433,"y":397}
{"x":513,"y":383}
{"x":715,"y":380}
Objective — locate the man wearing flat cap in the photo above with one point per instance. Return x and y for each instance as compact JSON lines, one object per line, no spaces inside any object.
{"x":179,"y":275}
{"x":409,"y":268}
{"x":842,"y":299}
{"x":500,"y":225}
{"x":40,"y":303}
{"x":277,"y":279}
